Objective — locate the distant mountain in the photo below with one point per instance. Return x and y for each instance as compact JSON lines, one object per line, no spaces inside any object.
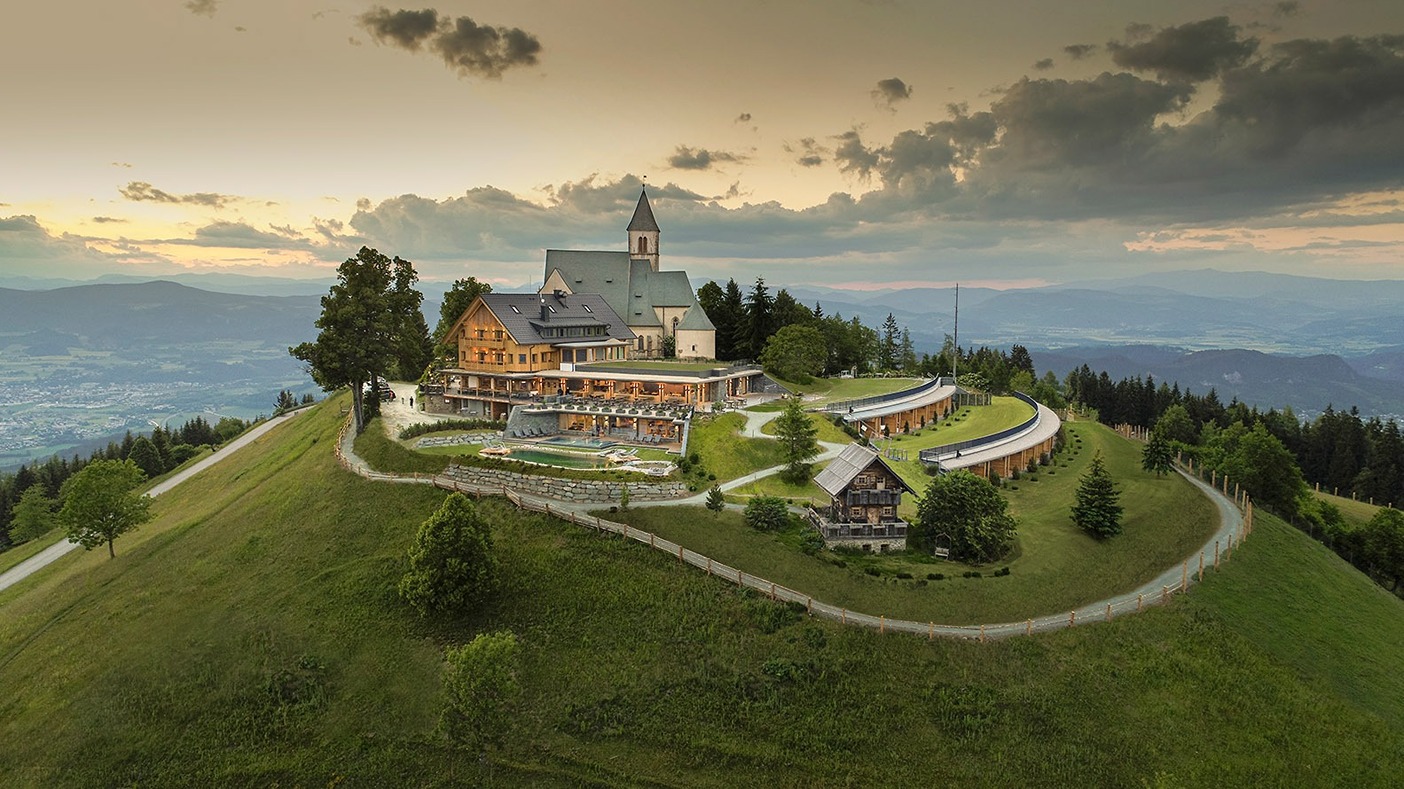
{"x":1387,"y":363}
{"x":123,"y":316}
{"x":1307,"y":384}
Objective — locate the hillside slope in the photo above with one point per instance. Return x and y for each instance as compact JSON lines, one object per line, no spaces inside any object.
{"x":250,"y":635}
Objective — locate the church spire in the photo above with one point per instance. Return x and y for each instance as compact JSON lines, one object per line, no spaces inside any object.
{"x":644,"y":233}
{"x":643,"y":216}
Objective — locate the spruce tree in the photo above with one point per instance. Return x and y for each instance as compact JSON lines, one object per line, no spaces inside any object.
{"x":715,"y":501}
{"x":799,"y":438}
{"x":1097,"y":509}
{"x":1156,"y":456}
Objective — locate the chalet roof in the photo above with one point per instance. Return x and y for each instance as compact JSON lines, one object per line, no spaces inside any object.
{"x":852,"y":461}
{"x":643,"y":216}
{"x":520,"y":314}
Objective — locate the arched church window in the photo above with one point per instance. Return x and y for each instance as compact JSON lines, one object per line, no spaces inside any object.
{"x":643,"y":245}
{"x":675,"y":327}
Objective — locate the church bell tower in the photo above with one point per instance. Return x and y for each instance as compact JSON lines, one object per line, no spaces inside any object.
{"x":643,"y":233}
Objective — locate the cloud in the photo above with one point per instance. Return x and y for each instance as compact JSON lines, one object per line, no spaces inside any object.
{"x":890,"y":91}
{"x":809,"y":152}
{"x":203,"y":7}
{"x":1139,"y":31}
{"x":29,"y":249}
{"x":122,"y":164}
{"x":852,"y":156}
{"x":141,"y":191}
{"x":686,"y":158}
{"x":103,"y":220}
{"x":467,"y":47}
{"x":404,"y":29}
{"x":1286,"y":8}
{"x":1079,"y":51}
{"x":1043,"y":65}
{"x":1193,"y":52}
{"x":744,"y":117}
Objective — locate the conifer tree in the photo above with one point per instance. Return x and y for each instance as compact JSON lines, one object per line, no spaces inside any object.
{"x":1097,"y":509}
{"x":799,"y":437}
{"x":715,"y":501}
{"x":1156,"y":456}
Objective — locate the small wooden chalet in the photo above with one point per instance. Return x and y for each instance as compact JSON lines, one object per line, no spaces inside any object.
{"x":865,"y":494}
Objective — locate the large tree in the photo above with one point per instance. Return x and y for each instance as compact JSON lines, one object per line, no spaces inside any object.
{"x":357,"y":328}
{"x":969,"y":511}
{"x":1097,"y":509}
{"x":1384,"y":542}
{"x":760,"y":321}
{"x":452,"y":566}
{"x":100,"y":503}
{"x":795,"y":353}
{"x":798,"y":437}
{"x":411,"y":346}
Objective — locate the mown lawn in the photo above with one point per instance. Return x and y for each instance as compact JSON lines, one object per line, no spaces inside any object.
{"x":1055,"y":566}
{"x":20,"y":553}
{"x":964,"y":424}
{"x":718,"y":444}
{"x":1357,"y":513}
{"x":833,"y":390}
{"x":251,"y":636}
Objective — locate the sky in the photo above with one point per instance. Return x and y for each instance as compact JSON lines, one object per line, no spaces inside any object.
{"x":846,"y":143}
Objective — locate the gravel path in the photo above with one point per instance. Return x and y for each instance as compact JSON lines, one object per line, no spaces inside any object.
{"x":52,"y":553}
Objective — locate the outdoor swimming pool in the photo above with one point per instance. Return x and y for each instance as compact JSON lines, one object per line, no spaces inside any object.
{"x":584,"y":443}
{"x":563,"y":459}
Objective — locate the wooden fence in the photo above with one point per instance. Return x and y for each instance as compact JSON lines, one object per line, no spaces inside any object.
{"x":1172,"y":581}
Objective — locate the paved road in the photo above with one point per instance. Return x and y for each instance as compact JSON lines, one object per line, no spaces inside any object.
{"x":52,"y":553}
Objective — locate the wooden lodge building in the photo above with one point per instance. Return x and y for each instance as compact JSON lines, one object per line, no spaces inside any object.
{"x":865,"y":493}
{"x":558,"y":361}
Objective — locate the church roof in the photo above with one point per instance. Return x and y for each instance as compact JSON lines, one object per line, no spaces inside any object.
{"x":588,"y":271}
{"x":643,"y":216}
{"x":696,"y":320}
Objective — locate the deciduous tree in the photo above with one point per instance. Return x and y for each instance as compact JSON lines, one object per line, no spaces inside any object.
{"x":100,"y":503}
{"x":1097,"y":509}
{"x":766,"y":513}
{"x":356,"y":327}
{"x":970,"y":511}
{"x":795,"y":353}
{"x":480,"y":690}
{"x":33,"y":515}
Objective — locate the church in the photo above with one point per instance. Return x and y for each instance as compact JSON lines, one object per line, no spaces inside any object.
{"x":655,"y":305}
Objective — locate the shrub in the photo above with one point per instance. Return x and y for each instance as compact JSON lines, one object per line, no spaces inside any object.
{"x":873,"y":571}
{"x":935,"y":576}
{"x":452,"y":565}
{"x":766,"y":513}
{"x":904,"y":576}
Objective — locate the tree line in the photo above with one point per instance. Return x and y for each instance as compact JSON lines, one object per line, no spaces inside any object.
{"x":1277,"y":457}
{"x":31,"y":497}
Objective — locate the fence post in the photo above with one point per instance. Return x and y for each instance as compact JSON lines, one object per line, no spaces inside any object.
{"x":709,"y":565}
{"x":1072,"y":617}
{"x":1184,"y":575}
{"x":651,"y":541}
{"x":982,"y":634}
{"x":1028,"y":627}
{"x":740,"y":578}
{"x":809,"y":606}
{"x":772,"y":590}
{"x":843,"y":615}
{"x":1216,"y":554}
{"x":1164,"y":594}
{"x":1201,"y":568}
{"x":680,"y":556}
{"x":1140,"y":600}
{"x":882,"y":625}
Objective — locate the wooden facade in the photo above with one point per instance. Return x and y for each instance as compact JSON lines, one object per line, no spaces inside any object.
{"x":865,"y":494}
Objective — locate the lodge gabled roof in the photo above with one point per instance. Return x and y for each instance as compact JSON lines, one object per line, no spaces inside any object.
{"x":852,"y":461}
{"x":520,"y":315}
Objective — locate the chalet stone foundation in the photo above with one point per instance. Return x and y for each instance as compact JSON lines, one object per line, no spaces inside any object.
{"x":578,"y":490}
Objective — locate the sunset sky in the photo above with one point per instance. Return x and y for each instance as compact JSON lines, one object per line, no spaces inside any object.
{"x":829,"y":142}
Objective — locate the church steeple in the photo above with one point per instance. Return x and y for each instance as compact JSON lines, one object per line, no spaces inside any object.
{"x":644,"y":233}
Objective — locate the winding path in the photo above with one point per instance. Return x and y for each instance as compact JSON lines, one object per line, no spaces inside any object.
{"x":61,"y":548}
{"x":1233,"y":529}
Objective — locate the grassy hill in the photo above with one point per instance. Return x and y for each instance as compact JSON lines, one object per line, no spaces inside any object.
{"x":250,"y":636}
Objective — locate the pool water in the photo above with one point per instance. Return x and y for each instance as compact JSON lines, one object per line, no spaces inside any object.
{"x":587,"y":443}
{"x":562,"y":459}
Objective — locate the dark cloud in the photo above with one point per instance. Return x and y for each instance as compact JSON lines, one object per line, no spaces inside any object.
{"x":1139,"y":31}
{"x":363,"y":204}
{"x":1192,"y":52}
{"x":141,"y":191}
{"x":122,"y":164}
{"x":890,"y":91}
{"x":1043,"y":65}
{"x":403,"y":28}
{"x":239,"y":235}
{"x":103,"y":220}
{"x":852,"y":156}
{"x":465,"y":46}
{"x":809,"y":153}
{"x":744,"y":117}
{"x":29,"y":249}
{"x":1286,"y":8}
{"x":1079,"y":51}
{"x":240,"y":29}
{"x":686,"y":158}
{"x":203,"y":7}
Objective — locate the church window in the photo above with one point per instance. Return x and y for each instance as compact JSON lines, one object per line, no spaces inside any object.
{"x":643,"y":245}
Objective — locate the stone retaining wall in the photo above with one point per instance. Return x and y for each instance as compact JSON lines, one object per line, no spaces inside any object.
{"x":582,"y":490}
